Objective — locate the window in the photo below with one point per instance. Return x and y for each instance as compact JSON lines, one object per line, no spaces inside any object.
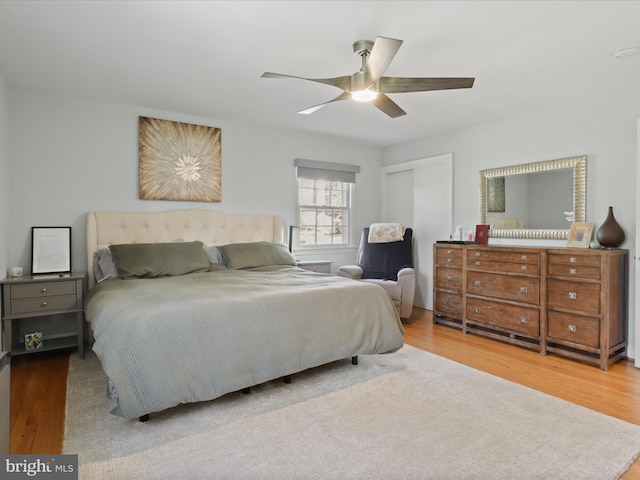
{"x":325,"y":207}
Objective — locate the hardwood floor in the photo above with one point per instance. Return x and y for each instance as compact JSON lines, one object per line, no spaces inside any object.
{"x":38,"y":382}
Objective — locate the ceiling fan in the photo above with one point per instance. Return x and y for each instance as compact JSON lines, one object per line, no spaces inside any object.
{"x":368,"y":84}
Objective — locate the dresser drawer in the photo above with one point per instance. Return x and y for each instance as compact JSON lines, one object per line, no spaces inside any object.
{"x":449,"y":278}
{"x":504,"y":256}
{"x":577,"y":271}
{"x":515,"y":318}
{"x":449,"y":305}
{"x":577,"y":260}
{"x":44,"y":289}
{"x":574,"y":328}
{"x":507,"y":287}
{"x":505,"y":267}
{"x":43,"y":304}
{"x":574,"y":296}
{"x":449,"y":256}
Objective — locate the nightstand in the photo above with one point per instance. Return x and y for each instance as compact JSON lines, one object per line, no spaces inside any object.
{"x":50,"y":304}
{"x":320,"y":266}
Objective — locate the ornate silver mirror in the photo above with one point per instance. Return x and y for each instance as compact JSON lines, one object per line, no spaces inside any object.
{"x":534,"y":200}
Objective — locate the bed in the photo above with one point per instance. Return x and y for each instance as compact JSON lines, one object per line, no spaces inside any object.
{"x":175,"y":330}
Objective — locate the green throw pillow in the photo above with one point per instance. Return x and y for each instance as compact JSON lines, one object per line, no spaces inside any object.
{"x":256,"y":254}
{"x":149,"y":260}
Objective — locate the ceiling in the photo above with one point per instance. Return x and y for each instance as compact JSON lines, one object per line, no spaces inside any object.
{"x":206,"y":58}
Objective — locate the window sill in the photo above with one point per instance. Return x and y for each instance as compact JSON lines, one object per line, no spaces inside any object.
{"x":323,"y":250}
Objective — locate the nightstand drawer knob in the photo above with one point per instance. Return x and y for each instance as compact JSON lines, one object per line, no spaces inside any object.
{"x":44,"y":304}
{"x":44,"y":290}
{"x":572,"y":328}
{"x":573,"y":295}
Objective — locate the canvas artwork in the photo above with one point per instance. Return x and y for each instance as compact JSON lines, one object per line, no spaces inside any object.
{"x":179,"y":161}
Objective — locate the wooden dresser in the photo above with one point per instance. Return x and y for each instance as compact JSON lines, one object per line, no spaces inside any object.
{"x":566,"y":301}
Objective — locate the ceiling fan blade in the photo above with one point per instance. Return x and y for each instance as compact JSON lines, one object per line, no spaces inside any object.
{"x":403,"y":84}
{"x":343,"y":82}
{"x":342,"y":96}
{"x":383,"y":51}
{"x":388,"y":106}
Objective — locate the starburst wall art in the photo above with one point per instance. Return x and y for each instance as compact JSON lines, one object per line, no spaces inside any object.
{"x":179,"y":161}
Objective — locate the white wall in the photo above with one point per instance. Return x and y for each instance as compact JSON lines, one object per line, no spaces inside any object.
{"x":4,"y":183}
{"x":601,"y":125}
{"x":70,"y":155}
{"x":4,"y":175}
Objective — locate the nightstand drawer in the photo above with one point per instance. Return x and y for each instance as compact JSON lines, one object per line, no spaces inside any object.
{"x":43,"y":304}
{"x":44,"y":289}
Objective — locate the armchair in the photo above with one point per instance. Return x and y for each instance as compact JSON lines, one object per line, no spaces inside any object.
{"x":389,"y":265}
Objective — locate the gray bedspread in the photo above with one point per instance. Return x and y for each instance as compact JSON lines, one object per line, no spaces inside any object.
{"x":195,"y":337}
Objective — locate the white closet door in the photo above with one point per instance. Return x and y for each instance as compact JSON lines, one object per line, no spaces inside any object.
{"x":420,"y":194}
{"x":636,"y":258}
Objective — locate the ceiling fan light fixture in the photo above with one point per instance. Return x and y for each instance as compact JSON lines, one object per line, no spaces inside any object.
{"x":365,"y":95}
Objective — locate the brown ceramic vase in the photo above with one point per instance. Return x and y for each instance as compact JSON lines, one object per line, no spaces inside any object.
{"x":610,"y":233}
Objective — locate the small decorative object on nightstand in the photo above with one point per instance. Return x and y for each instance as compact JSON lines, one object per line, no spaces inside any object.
{"x":320,"y":266}
{"x":48,"y":305}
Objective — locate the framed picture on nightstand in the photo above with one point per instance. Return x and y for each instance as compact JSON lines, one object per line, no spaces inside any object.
{"x":50,"y":250}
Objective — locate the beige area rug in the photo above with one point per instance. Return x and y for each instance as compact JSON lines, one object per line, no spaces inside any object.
{"x":407,"y":415}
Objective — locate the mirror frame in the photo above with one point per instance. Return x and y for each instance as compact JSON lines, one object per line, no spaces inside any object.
{"x":579,"y":166}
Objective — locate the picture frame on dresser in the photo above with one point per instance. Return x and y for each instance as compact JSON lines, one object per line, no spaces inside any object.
{"x":50,"y":250}
{"x":580,"y":234}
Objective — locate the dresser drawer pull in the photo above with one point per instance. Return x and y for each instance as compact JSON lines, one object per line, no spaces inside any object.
{"x":449,"y":252}
{"x":478,"y":263}
{"x":43,"y":290}
{"x":572,"y":259}
{"x":477,"y":254}
{"x":449,"y":260}
{"x":573,"y":271}
{"x":449,"y":278}
{"x":476,"y":283}
{"x":523,"y":319}
{"x":524,"y":289}
{"x":573,"y":295}
{"x":449,"y":303}
{"x":572,"y":328}
{"x":524,"y":268}
{"x":44,"y":304}
{"x":523,"y":257}
{"x":476,"y":309}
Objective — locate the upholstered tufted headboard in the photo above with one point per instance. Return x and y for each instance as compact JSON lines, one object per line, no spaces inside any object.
{"x":210,"y":227}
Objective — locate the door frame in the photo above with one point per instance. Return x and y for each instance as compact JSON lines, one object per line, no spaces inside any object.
{"x":438,"y":160}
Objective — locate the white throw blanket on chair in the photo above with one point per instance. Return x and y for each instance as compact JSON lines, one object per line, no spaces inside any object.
{"x":385,"y":232}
